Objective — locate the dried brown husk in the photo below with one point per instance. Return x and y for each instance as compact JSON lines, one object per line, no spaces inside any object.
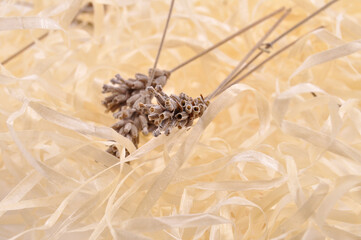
{"x":267,"y":160}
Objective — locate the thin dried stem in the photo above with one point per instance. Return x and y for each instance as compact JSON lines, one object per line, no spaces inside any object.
{"x":86,"y":9}
{"x":162,"y":41}
{"x":304,"y":20}
{"x":227,"y":39}
{"x":270,"y":44}
{"x":271,"y":57}
{"x":23,"y":49}
{"x":249,"y":54}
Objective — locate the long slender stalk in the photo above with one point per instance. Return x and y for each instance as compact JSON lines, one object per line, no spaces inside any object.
{"x":162,"y":41}
{"x":271,"y":57}
{"x":23,"y":49}
{"x":249,"y":54}
{"x":227,"y":39}
{"x":85,"y":9}
{"x":270,"y":44}
{"x":300,"y":23}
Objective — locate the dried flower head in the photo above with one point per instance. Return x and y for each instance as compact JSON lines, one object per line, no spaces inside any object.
{"x":131,"y":99}
{"x":130,"y":92}
{"x":173,"y":111}
{"x":127,"y":95}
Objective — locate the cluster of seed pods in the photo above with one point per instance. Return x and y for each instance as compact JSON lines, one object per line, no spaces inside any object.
{"x":173,"y":111}
{"x":127,"y":97}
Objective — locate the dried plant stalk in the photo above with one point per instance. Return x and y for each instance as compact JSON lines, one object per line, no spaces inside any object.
{"x":126,"y":95}
{"x":169,"y":119}
{"x":229,"y":80}
{"x":246,"y":28}
{"x":242,"y":63}
{"x":131,"y":99}
{"x":86,"y":9}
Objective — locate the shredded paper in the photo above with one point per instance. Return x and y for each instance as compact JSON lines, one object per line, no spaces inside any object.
{"x":277,"y":156}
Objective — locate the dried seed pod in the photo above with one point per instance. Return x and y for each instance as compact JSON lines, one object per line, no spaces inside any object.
{"x":167,"y":129}
{"x":156,"y":132}
{"x":153,"y":116}
{"x":188,"y":108}
{"x":129,"y":82}
{"x":113,"y":150}
{"x":142,"y":77}
{"x":170,"y":104}
{"x":134,"y":131}
{"x":160,"y":80}
{"x":181,"y":124}
{"x":132,"y":99}
{"x":184,"y":96}
{"x":110,"y":88}
{"x":181,"y":116}
{"x":118,"y":124}
{"x":158,"y":95}
{"x":174,"y":111}
{"x":196,"y":110}
{"x":138,"y":85}
{"x":137,"y":103}
{"x":156,"y":109}
{"x":165,"y":115}
{"x":127,"y":128}
{"x":124,"y":113}
{"x":189,"y":123}
{"x":158,"y":73}
{"x":144,"y":124}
